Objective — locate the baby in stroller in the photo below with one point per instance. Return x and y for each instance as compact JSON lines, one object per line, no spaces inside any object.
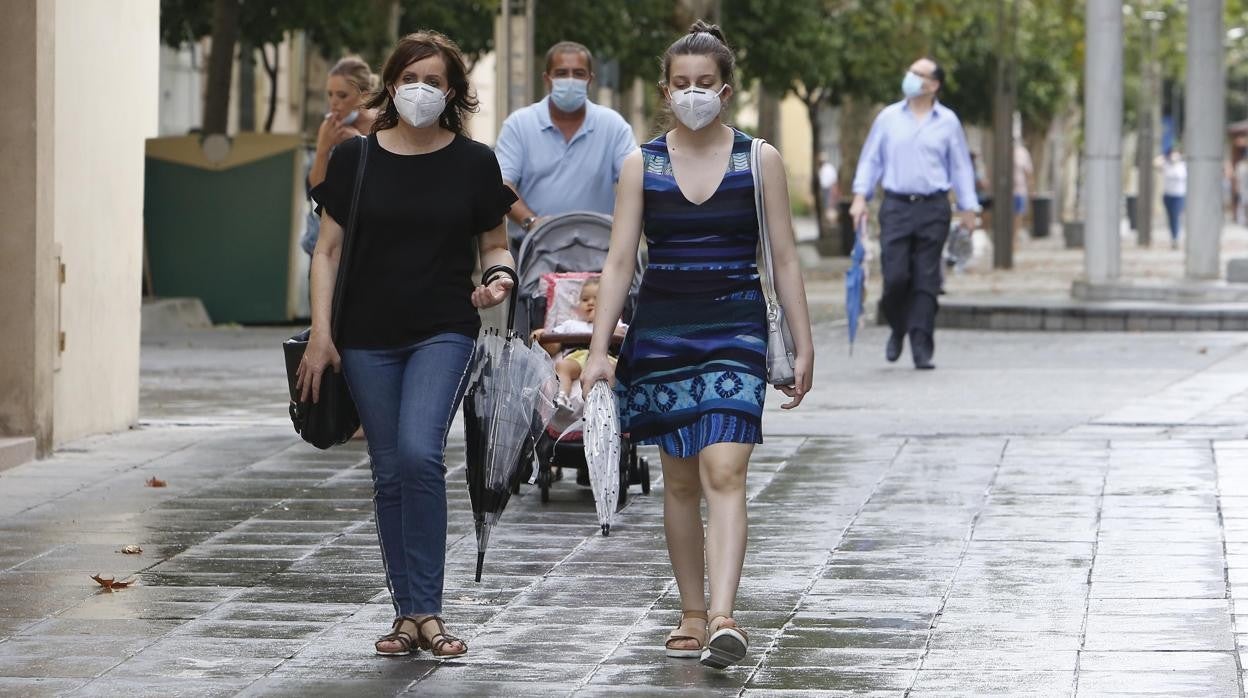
{"x":568,"y":366}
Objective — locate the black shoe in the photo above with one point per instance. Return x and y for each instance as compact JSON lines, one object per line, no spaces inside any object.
{"x":896,"y":341}
{"x":922,"y":348}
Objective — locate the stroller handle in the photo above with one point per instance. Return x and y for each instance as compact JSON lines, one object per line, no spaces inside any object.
{"x":487,"y":277}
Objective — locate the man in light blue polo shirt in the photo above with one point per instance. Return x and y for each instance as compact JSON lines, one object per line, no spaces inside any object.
{"x":563,"y":153}
{"x":917,"y":150}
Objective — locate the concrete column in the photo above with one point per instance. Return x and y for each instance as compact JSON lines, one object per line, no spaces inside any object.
{"x":27,"y":236}
{"x":1102,"y":148}
{"x":1202,"y":139}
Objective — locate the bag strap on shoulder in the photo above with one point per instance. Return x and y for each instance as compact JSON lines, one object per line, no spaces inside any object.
{"x":764,"y":239}
{"x":348,"y":237}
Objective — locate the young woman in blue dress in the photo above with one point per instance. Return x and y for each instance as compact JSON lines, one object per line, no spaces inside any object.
{"x":691,"y":376}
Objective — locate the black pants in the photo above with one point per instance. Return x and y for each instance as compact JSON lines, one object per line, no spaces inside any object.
{"x":912,"y":239}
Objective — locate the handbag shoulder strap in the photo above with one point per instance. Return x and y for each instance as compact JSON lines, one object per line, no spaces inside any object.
{"x":764,"y":239}
{"x":348,"y":237}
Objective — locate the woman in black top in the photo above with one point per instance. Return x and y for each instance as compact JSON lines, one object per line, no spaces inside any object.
{"x":431,"y":200}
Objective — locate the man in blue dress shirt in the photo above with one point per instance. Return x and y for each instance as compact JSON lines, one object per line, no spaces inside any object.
{"x":918,"y":151}
{"x":563,"y":153}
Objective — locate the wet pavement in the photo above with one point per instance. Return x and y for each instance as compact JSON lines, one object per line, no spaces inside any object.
{"x":1045,"y":515}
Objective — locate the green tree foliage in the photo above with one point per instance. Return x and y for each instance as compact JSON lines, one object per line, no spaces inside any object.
{"x":470,"y":23}
{"x":632,"y":32}
{"x":332,"y":25}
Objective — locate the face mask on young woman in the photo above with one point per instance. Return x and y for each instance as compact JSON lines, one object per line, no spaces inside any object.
{"x":568,"y":94}
{"x":911,"y":85}
{"x":419,"y":104}
{"x":696,"y":108}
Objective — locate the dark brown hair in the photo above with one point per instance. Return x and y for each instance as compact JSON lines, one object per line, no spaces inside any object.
{"x":568,"y":47}
{"x":419,"y":46}
{"x":702,"y":40}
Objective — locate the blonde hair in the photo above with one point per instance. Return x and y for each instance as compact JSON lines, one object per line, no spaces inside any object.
{"x":355,"y":71}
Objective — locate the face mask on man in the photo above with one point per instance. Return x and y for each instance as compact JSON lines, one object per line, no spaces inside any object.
{"x":568,"y":94}
{"x":695,"y":107}
{"x":911,"y":85}
{"x":419,"y":104}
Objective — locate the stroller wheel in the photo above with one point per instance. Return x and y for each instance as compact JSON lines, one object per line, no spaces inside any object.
{"x":543,"y":482}
{"x":645,"y":475}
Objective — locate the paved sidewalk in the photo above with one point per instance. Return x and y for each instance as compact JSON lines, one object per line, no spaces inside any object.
{"x":1045,"y":515}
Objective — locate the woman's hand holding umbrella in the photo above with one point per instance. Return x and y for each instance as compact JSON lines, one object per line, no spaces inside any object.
{"x":490,"y":295}
{"x":597,"y":368}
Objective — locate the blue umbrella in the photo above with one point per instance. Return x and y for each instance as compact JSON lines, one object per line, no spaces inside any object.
{"x":855,"y":288}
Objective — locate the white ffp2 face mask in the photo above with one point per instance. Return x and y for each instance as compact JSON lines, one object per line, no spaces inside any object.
{"x":419,"y":104}
{"x":695,"y":107}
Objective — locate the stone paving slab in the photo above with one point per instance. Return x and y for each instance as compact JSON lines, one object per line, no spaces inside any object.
{"x":1102,"y":550}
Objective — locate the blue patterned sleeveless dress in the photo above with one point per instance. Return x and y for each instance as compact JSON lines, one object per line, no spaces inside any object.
{"x":692,"y":370}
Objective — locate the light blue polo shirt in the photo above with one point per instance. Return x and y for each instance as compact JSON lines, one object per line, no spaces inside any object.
{"x":556,"y":176}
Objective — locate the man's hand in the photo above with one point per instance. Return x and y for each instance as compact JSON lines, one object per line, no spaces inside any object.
{"x":858,"y":211}
{"x":968,"y":219}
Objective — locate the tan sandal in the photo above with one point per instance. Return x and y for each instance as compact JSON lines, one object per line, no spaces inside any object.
{"x":685,"y":652}
{"x":727,"y":645}
{"x":398,"y":634}
{"x":436,"y":644}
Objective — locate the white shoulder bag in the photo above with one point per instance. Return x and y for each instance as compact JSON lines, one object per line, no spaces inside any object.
{"x":780,"y":350}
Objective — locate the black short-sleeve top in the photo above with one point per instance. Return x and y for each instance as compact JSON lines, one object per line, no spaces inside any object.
{"x":415,"y":244}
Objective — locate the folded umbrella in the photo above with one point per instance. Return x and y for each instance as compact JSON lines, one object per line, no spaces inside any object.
{"x":856,"y":288}
{"x":602,"y":451}
{"x":508,"y":404}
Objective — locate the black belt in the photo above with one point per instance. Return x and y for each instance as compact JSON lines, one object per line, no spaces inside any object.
{"x":911,"y":198}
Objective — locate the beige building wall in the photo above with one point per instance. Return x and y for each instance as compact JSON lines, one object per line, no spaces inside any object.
{"x":27,"y":281}
{"x":98,"y":199}
{"x":795,"y":144}
{"x":73,"y":195}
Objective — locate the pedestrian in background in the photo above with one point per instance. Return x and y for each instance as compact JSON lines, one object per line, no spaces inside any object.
{"x":349,"y":84}
{"x":1174,"y":192}
{"x":1241,"y":187}
{"x":828,"y":188}
{"x":431,"y":200}
{"x":1022,"y":184}
{"x":918,"y":150}
{"x":692,"y":372}
{"x":564,"y":152}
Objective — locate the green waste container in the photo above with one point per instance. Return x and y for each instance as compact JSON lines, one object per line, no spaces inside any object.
{"x":226,"y":232}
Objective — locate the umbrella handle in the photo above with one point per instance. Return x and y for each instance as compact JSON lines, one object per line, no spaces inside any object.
{"x":487,"y":278}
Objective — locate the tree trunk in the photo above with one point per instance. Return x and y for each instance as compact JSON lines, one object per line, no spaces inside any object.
{"x":856,"y":118}
{"x":1002,"y":140}
{"x":246,"y":85}
{"x":270,"y":69}
{"x":768,"y":116}
{"x":220,"y":66}
{"x":816,"y":149}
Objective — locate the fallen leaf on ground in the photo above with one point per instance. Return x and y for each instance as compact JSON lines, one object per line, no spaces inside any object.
{"x":132,"y":549}
{"x":155,"y":482}
{"x":111,"y":583}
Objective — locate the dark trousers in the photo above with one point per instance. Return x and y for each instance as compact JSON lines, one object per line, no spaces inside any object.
{"x":1174,"y":213}
{"x":912,"y":239}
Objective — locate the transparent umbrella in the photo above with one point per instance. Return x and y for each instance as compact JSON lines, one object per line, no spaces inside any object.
{"x":508,"y":404}
{"x":602,"y":451}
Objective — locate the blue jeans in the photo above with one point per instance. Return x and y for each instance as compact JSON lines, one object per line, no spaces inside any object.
{"x":1174,"y":213}
{"x":407,"y":398}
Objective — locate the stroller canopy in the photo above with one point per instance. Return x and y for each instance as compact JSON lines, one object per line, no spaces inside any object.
{"x":576,"y":241}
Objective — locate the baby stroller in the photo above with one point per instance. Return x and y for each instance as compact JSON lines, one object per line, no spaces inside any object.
{"x":555,"y":259}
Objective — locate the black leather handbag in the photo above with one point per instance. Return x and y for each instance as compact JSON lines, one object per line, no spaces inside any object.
{"x":333,"y":419}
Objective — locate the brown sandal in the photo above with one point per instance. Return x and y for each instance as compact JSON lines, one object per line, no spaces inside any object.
{"x":683,"y":652}
{"x":438,"y":642}
{"x":728,"y":644}
{"x":399,"y":635}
